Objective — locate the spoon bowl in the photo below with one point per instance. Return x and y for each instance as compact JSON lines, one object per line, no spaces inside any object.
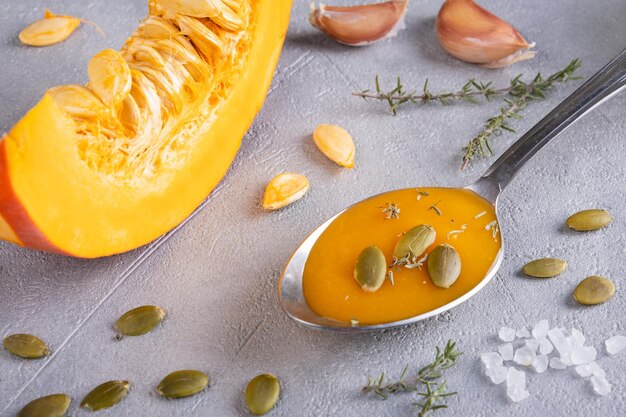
{"x":606,"y":82}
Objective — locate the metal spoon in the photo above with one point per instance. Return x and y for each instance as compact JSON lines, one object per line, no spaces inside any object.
{"x":606,"y":82}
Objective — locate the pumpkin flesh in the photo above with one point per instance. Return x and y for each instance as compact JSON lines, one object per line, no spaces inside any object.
{"x":88,"y":179}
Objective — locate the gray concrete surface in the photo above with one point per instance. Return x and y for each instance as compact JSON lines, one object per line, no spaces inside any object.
{"x":217,"y":274}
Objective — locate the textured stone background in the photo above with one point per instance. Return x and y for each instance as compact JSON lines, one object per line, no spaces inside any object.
{"x":217,"y":274}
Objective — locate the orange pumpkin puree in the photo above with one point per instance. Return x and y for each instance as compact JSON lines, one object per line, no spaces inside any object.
{"x":329,"y":286}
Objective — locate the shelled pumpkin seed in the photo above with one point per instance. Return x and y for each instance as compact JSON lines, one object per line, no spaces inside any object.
{"x":138,"y":321}
{"x":184,"y":383}
{"x":262,"y":394}
{"x":545,"y":267}
{"x":594,"y":290}
{"x":26,"y":346}
{"x":588,"y":220}
{"x":415,"y":241}
{"x":54,"y":405}
{"x":444,"y":265}
{"x":371,"y":269}
{"x":106,"y":395}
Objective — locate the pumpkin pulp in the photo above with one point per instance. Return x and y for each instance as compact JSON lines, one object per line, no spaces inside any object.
{"x":84,"y":177}
{"x":329,"y":286}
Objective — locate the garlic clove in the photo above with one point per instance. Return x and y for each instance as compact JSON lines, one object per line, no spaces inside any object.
{"x":472,"y":34}
{"x":360,"y":25}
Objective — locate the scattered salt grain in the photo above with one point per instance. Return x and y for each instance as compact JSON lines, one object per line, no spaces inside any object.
{"x":557,"y":363}
{"x":577,"y":338}
{"x":540,"y":363}
{"x":541,"y":329}
{"x":506,"y":351}
{"x":596,"y":370}
{"x":545,"y":347}
{"x":583,"y":354}
{"x":615,"y":344}
{"x":522,"y":333}
{"x":583,"y":370}
{"x":497,"y":374}
{"x":516,"y":385}
{"x":491,"y":359}
{"x":600,"y":385}
{"x":524,"y":356}
{"x":533,"y":344}
{"x":559,"y":340}
{"x":506,"y":334}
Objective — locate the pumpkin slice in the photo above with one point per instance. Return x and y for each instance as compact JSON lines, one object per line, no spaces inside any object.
{"x":91,"y":172}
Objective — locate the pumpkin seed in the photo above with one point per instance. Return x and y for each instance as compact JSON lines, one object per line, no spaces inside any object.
{"x":587,"y":220}
{"x":444,"y":265}
{"x":262,"y":393}
{"x":26,"y":346}
{"x":414,"y":242}
{"x":336,"y":143}
{"x":371,"y":269}
{"x":106,"y":395}
{"x":140,"y":320}
{"x":545,"y":267}
{"x":284,"y":189}
{"x":594,"y":290}
{"x":49,"y":406}
{"x":183,"y":383}
{"x":49,"y":30}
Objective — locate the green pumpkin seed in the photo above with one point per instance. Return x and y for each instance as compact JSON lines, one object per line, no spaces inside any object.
{"x":183,"y":384}
{"x":545,"y":267}
{"x":26,"y":346}
{"x":49,"y":406}
{"x":594,"y":290}
{"x":414,"y":242}
{"x":587,"y":220}
{"x":138,"y":321}
{"x":262,"y":393}
{"x":371,"y":269}
{"x":106,"y":395}
{"x":444,"y":265}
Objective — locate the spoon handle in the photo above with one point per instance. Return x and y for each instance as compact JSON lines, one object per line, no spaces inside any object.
{"x":606,"y":82}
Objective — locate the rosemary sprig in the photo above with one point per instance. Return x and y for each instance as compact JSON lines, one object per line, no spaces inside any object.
{"x":384,"y":390}
{"x":399,"y":96}
{"x":518,"y":92}
{"x":521,"y":93}
{"x":428,"y":376}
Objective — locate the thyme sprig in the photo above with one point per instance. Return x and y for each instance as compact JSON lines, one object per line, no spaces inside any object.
{"x":428,"y":377}
{"x":518,"y":94}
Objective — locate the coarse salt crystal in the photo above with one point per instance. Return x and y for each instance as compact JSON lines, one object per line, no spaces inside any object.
{"x":506,"y":334}
{"x":557,"y":363}
{"x":560,"y":342}
{"x":541,"y":329}
{"x":615,"y":344}
{"x":583,"y":354}
{"x":516,"y":385}
{"x":497,"y":374}
{"x":522,"y":333}
{"x":583,"y":370}
{"x":577,"y":338}
{"x":533,"y":344}
{"x":506,"y":351}
{"x":491,"y":359}
{"x":524,"y":356}
{"x":600,"y":385}
{"x":545,"y":347}
{"x":596,"y":370}
{"x":540,"y":363}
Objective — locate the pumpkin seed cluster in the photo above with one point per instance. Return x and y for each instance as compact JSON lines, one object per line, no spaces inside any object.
{"x":593,"y":289}
{"x":444,"y":262}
